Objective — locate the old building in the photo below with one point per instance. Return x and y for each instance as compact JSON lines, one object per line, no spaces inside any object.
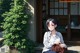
{"x":66,"y":12}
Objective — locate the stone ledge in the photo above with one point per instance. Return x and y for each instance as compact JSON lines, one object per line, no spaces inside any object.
{"x":1,"y":39}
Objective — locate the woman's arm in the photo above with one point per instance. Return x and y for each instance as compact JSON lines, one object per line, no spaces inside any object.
{"x":62,"y":41}
{"x":61,"y":38}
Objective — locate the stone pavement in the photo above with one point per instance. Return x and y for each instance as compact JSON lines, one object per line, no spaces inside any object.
{"x":71,"y":49}
{"x":75,"y":48}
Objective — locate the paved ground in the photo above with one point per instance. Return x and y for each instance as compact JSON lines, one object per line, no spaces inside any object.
{"x":74,"y":48}
{"x":71,"y":49}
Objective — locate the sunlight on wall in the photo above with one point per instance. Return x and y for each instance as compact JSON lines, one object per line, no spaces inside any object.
{"x":32,"y":8}
{"x":32,"y":33}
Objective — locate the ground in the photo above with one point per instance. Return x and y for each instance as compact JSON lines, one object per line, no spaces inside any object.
{"x":71,"y":48}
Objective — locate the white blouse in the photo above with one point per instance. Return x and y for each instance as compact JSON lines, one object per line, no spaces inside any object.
{"x":50,"y":40}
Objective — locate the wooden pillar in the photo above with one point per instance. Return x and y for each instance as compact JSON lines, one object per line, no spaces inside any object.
{"x":69,"y":19}
{"x":39,"y":20}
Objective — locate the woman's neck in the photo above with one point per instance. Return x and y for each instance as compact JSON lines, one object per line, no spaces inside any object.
{"x":53,"y":32}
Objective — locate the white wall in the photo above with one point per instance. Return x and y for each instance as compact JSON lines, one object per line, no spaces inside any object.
{"x":32,"y":33}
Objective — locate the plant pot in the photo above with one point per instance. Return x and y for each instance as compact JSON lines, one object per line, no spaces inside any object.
{"x":13,"y":49}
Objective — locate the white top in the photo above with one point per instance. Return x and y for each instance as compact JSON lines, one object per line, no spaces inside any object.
{"x":50,"y":40}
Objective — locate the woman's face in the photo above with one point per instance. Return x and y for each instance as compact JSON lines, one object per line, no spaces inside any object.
{"x":51,"y":26}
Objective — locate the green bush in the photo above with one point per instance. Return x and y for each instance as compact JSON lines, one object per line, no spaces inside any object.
{"x":4,"y":6}
{"x":16,"y":27}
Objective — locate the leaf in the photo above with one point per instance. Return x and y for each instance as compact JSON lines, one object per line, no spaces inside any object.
{"x":23,"y":40}
{"x":24,"y":22}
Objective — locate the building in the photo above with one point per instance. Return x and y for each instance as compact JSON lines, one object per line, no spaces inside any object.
{"x":66,"y":12}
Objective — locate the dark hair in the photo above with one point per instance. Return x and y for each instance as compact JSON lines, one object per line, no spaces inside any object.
{"x":51,"y":19}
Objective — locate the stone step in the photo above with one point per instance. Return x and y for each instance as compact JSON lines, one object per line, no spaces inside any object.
{"x":74,"y":48}
{"x":4,"y":49}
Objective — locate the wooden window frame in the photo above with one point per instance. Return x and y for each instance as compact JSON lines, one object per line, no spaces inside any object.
{"x":56,"y":8}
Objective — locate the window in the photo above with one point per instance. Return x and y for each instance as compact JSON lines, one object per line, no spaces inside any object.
{"x":57,"y":8}
{"x":79,"y":8}
{"x":74,"y":8}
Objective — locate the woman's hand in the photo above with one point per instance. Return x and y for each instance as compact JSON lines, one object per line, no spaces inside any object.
{"x":57,"y":42}
{"x":63,"y":45}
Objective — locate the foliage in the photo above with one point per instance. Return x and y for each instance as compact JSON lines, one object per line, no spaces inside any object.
{"x":4,"y":6}
{"x":16,"y":27}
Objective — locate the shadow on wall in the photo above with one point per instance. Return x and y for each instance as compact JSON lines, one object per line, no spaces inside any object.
{"x":71,"y":51}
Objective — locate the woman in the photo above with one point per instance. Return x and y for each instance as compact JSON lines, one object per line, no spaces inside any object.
{"x":52,"y":37}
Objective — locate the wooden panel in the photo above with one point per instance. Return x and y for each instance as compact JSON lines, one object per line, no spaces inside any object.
{"x":79,"y":20}
{"x":39,"y":20}
{"x":69,"y":0}
{"x":75,"y":34}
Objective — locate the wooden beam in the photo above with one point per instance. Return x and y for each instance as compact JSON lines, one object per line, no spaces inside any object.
{"x":39,"y":20}
{"x":69,"y":0}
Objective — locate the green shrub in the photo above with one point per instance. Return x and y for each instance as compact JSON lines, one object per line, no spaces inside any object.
{"x":16,"y":27}
{"x":4,"y":6}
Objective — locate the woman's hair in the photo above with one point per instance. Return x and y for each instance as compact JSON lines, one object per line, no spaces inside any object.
{"x":51,"y":19}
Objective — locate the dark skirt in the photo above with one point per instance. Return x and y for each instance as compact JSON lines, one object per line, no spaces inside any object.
{"x":49,"y":51}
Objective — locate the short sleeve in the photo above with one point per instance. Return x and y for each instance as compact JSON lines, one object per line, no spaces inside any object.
{"x":61,"y":38}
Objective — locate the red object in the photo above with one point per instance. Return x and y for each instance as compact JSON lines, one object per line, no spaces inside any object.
{"x":69,"y":0}
{"x":58,"y":49}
